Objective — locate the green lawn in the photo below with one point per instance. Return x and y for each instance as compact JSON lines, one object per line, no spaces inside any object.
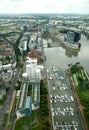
{"x":75,"y":79}
{"x":25,"y":121}
{"x":85,"y":94}
{"x":29,"y":122}
{"x":86,"y":114}
{"x":84,"y":97}
{"x":4,"y":28}
{"x":36,"y":126}
{"x":80,"y":78}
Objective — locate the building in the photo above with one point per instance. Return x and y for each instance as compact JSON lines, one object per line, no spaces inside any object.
{"x":47,"y":28}
{"x":7,"y":67}
{"x":23,"y":47}
{"x":24,"y":105}
{"x":33,"y":70}
{"x":6,"y":74}
{"x":73,"y":37}
{"x":28,"y":102}
{"x":13,"y":63}
{"x":2,"y":88}
{"x":28,"y":106}
{"x":31,"y":65}
{"x":35,"y":95}
{"x":45,"y":43}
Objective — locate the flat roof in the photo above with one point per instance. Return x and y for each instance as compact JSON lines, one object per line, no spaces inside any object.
{"x":22,"y":95}
{"x":28,"y":102}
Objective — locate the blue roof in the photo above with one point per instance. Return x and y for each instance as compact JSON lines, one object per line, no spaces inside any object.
{"x":22,"y":96}
{"x":28,"y":102}
{"x":22,"y":111}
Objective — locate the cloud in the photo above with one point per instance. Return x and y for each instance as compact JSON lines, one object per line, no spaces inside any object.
{"x":44,"y":6}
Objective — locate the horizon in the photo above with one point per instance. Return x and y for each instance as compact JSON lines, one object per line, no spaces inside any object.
{"x":57,"y":14}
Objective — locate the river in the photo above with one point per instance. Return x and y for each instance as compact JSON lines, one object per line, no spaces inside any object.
{"x":62,"y":56}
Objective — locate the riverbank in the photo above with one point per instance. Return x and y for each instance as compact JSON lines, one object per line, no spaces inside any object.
{"x":79,"y":81}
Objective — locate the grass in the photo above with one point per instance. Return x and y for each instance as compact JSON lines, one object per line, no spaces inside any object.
{"x":85,"y":94}
{"x":36,"y":126}
{"x":75,"y":79}
{"x":83,"y":90}
{"x":28,"y":121}
{"x":83,"y":74}
{"x":86,"y":118}
{"x":84,"y":97}
{"x":2,"y":28}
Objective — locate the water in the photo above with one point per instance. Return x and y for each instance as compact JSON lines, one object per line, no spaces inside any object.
{"x":62,"y":56}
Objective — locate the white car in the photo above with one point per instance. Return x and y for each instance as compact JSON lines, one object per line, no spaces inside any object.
{"x":52,"y":113}
{"x":56,"y":113}
{"x":72,"y":113}
{"x":61,"y":77}
{"x":67,"y":108}
{"x":51,"y":96}
{"x":52,"y":109}
{"x":72,"y":99}
{"x":47,"y":71}
{"x":55,"y":101}
{"x":53,"y":88}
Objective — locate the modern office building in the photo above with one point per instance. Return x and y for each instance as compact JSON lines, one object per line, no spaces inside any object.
{"x":27,"y":102}
{"x":24,"y":105}
{"x":23,"y":47}
{"x":73,"y":37}
{"x":33,"y":70}
{"x":31,"y":65}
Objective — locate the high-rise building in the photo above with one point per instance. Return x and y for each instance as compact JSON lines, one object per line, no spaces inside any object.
{"x":77,"y":37}
{"x":73,"y":37}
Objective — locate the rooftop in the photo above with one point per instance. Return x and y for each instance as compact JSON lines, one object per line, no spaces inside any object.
{"x":28,"y":102}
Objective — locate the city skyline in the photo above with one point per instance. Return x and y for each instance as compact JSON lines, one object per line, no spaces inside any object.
{"x":47,"y":6}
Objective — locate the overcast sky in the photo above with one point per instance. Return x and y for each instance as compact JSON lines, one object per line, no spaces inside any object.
{"x":44,"y":6}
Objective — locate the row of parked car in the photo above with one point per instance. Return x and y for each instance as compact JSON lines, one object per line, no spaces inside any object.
{"x":65,"y":125}
{"x":61,"y":98}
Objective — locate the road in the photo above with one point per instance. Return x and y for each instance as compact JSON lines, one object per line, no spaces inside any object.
{"x":6,"y":106}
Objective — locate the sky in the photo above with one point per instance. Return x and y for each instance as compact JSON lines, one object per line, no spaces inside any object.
{"x":44,"y":6}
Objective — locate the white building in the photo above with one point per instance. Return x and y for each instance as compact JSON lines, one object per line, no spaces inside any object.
{"x":31,"y":65}
{"x":45,"y":44}
{"x":31,"y":61}
{"x":25,"y":46}
{"x":32,"y":69}
{"x":7,"y":67}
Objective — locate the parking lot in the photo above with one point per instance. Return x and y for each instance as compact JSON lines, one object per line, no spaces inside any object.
{"x":64,"y":110}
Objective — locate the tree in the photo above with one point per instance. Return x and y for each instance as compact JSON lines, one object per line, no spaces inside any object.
{"x":20,"y":65}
